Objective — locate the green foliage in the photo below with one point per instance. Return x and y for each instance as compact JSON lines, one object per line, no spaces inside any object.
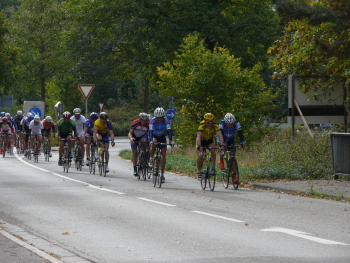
{"x":302,"y":157}
{"x":269,"y":171}
{"x":212,"y":82}
{"x":316,"y":42}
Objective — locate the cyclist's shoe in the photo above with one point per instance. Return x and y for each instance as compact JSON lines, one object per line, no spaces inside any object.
{"x":50,"y":154}
{"x":221,"y":164}
{"x":32,"y":151}
{"x":96,"y":155}
{"x":107,"y":169}
{"x":151,"y":162}
{"x":135,"y":173}
{"x":163,"y":179}
{"x":60,"y":162}
{"x":234,"y":177}
{"x":82,"y":162}
{"x":87,"y":161}
{"x":199,"y":175}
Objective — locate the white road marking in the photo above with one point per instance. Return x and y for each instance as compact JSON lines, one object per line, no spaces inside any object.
{"x":217,"y":216}
{"x":68,"y":178}
{"x":29,"y":247}
{"x":302,"y":235}
{"x":153,"y":201}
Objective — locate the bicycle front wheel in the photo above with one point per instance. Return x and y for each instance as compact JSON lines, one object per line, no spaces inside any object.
{"x":211,"y":181}
{"x":235,"y":181}
{"x":156,"y":172}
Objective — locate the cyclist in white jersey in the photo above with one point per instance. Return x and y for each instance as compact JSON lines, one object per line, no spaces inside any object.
{"x":35,"y":127}
{"x":79,"y":124}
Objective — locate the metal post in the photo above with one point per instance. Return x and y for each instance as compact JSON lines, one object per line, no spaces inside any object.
{"x":86,"y":112}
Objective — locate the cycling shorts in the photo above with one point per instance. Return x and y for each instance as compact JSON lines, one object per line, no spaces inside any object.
{"x":206,"y":143}
{"x":65,"y":135}
{"x":105,"y":137}
{"x":161,"y":139}
{"x":145,"y":136}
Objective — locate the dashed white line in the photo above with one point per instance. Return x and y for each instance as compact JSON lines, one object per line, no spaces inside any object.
{"x":70,"y":179}
{"x":153,"y":201}
{"x":217,"y":216}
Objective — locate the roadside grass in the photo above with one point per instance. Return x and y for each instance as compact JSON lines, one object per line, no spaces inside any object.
{"x":275,"y":157}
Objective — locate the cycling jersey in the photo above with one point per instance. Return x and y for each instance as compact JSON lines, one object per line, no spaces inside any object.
{"x":65,"y":127}
{"x":79,"y":124}
{"x":158,"y":129}
{"x":90,"y":127}
{"x":207,"y":134}
{"x":102,"y":128}
{"x":18,"y":120}
{"x":139,"y":130}
{"x":228,"y":134}
{"x":6,"y":127}
{"x":48,"y":125}
{"x":35,"y":127}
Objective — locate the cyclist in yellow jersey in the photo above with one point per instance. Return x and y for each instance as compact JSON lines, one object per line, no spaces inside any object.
{"x":103,"y":130}
{"x":205,"y":138}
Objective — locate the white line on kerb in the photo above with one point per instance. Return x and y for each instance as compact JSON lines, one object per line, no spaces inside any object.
{"x":304,"y":235}
{"x":153,"y":201}
{"x":70,"y":179}
{"x":29,"y":247}
{"x":221,"y":217}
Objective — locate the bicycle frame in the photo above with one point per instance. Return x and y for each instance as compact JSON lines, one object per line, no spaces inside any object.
{"x":142,"y":159}
{"x":207,"y":168}
{"x":231,"y":167}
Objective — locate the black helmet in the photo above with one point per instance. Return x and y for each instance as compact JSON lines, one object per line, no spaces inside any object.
{"x":103,"y":116}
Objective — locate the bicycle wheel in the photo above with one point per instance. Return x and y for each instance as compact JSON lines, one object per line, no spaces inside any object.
{"x":4,"y":148}
{"x":47,"y":149}
{"x":211,"y":181}
{"x":65,"y":159}
{"x":139,"y":165}
{"x":159,"y":172}
{"x":77,"y":157}
{"x":155,"y":172}
{"x":144,"y":166}
{"x":102,"y":165}
{"x":92,"y":160}
{"x":235,"y":183}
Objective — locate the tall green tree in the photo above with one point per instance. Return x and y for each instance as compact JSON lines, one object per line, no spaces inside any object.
{"x":36,"y":34}
{"x":205,"y":81}
{"x":315,"y":42}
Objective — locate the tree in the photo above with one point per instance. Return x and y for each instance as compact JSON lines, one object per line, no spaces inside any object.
{"x":36,"y":35}
{"x":205,"y":81}
{"x":315,"y":42}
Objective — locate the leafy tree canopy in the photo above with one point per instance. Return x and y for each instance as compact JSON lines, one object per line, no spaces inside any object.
{"x":315,"y":43}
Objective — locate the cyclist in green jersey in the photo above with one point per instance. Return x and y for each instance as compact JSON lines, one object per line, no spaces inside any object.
{"x":65,"y":128}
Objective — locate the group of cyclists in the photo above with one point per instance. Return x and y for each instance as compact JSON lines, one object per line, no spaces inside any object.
{"x":98,"y":129}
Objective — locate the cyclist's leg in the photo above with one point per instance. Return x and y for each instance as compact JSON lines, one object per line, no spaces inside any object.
{"x":134,"y":156}
{"x":39,"y":138}
{"x":153,"y":150}
{"x":99,"y":137}
{"x":213,"y":156}
{"x":87,"y":149}
{"x":32,"y":138}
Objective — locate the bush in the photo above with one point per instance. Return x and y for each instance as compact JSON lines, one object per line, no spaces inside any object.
{"x":308,"y":158}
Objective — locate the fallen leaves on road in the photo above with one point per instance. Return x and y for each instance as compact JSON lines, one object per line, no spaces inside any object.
{"x":65,"y":233}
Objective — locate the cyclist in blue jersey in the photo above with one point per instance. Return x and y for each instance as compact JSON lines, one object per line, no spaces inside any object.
{"x":229,"y":126}
{"x":88,"y":134}
{"x":159,"y":124}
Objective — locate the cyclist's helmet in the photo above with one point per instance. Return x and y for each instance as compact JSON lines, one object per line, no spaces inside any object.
{"x":30,"y":117}
{"x":77,"y":111}
{"x":19,"y":113}
{"x":149,"y":117}
{"x":29,"y":113}
{"x":36,"y":118}
{"x":66,"y":115}
{"x":93,"y":116}
{"x":2,"y":114}
{"x":159,"y":112}
{"x":229,"y":118}
{"x":4,"y":119}
{"x":103,"y":116}
{"x":48,"y":118}
{"x":143,"y":116}
{"x":209,"y":117}
{"x":8,"y":115}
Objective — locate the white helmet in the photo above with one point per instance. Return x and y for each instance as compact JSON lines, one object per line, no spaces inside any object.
{"x":149,"y":117}
{"x":76,"y":111}
{"x":36,"y":118}
{"x":19,"y":113}
{"x":229,"y":118}
{"x":8,"y":115}
{"x":29,"y":114}
{"x":159,"y":112}
{"x":143,"y":116}
{"x":48,"y":119}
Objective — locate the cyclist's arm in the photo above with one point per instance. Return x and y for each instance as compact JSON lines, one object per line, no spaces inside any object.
{"x":111,"y":134}
{"x":221,"y":139}
{"x":241,"y":136}
{"x":75,"y":131}
{"x":131,"y":131}
{"x":95,"y":134}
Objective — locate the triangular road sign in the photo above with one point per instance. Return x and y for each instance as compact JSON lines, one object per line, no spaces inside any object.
{"x":101,"y":106}
{"x":86,"y":89}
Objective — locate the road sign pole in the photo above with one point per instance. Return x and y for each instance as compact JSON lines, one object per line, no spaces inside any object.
{"x":86,"y":112}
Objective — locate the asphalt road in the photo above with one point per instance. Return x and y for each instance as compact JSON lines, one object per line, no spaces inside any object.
{"x":81,"y":217}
